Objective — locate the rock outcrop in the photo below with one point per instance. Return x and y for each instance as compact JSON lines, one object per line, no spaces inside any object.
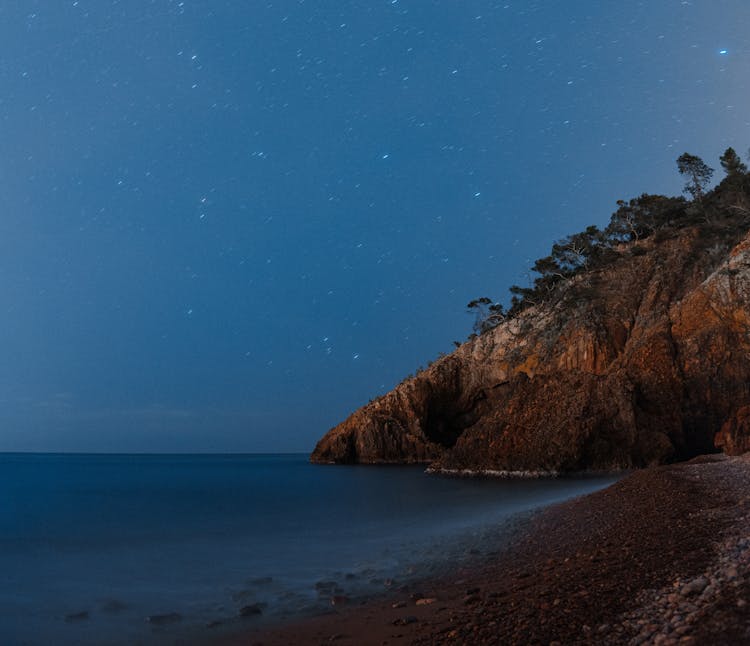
{"x":645,"y":360}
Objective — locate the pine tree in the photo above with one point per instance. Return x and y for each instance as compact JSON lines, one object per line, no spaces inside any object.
{"x":732,"y":164}
{"x":697,"y":173}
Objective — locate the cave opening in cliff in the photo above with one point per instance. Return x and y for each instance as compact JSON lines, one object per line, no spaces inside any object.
{"x":446,"y":421}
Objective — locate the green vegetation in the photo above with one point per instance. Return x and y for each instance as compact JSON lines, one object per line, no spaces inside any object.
{"x":649,"y":216}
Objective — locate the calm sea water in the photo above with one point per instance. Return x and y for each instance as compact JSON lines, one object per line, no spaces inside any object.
{"x":92,"y":545}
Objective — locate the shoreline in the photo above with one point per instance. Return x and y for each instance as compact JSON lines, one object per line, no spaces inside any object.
{"x":525,"y":475}
{"x":662,"y":556}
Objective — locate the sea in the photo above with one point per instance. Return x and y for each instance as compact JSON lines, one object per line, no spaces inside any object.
{"x":159,"y":549}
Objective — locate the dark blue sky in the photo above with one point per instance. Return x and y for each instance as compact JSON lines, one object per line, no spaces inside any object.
{"x":225,"y":225}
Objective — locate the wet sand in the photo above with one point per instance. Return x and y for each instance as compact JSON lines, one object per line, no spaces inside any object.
{"x":661,"y":557}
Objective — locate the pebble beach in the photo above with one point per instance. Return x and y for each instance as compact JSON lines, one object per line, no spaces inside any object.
{"x":661,"y":557}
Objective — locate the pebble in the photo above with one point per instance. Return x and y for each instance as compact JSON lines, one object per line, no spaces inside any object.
{"x":426,"y":601}
{"x":709,"y":591}
{"x":405,"y":621}
{"x":696,"y":586}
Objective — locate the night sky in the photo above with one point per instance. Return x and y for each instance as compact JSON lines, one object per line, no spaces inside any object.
{"x":226,"y":225}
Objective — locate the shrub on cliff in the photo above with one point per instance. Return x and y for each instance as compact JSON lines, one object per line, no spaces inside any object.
{"x":488,"y":314}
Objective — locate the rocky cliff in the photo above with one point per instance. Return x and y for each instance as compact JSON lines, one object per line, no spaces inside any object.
{"x":640,"y":360}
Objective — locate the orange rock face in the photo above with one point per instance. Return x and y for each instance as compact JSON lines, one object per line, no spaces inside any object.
{"x":643,"y":362}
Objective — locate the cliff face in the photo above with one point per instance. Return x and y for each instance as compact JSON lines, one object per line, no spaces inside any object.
{"x":644,"y":361}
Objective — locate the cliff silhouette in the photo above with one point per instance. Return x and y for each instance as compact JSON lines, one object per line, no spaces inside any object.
{"x":631,"y":348}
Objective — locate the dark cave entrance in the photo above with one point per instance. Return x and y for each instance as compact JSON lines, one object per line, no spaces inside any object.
{"x":446,"y":419}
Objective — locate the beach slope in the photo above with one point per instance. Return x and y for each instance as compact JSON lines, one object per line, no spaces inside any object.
{"x":660,"y":557}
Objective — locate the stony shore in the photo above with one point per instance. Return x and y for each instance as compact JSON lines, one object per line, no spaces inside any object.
{"x":661,"y":557}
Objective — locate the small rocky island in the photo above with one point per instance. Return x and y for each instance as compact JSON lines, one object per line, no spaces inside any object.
{"x":631,"y":348}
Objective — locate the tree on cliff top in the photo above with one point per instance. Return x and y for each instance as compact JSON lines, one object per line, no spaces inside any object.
{"x":732,"y":164}
{"x":634,"y":220}
{"x":642,"y":216}
{"x":697,"y":173}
